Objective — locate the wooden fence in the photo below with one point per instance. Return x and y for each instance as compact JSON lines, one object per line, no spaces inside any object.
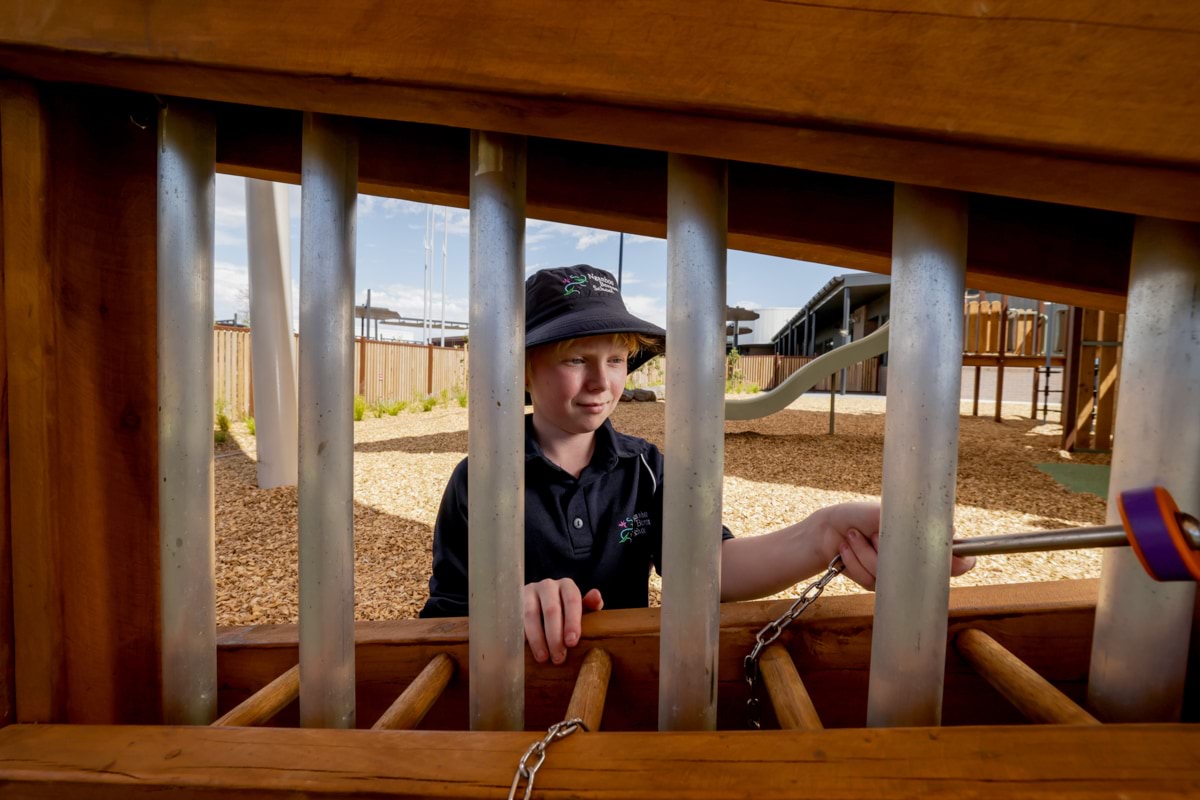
{"x":769,"y":371}
{"x":385,"y":371}
{"x":1024,"y":332}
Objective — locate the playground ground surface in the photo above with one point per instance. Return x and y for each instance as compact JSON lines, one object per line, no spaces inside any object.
{"x":777,"y":471}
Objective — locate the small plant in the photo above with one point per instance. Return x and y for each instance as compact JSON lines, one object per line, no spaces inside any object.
{"x":379,"y":408}
{"x":429,"y":402}
{"x":395,"y":408}
{"x":220,"y":437}
{"x":222,"y":417}
{"x":461,"y":397}
{"x":250,"y":426}
{"x":444,"y":397}
{"x":360,"y":407}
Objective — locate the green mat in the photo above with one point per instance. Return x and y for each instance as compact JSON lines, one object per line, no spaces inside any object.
{"x":1080,"y":477}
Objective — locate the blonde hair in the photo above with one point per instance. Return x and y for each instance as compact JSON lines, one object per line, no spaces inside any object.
{"x":632,"y":342}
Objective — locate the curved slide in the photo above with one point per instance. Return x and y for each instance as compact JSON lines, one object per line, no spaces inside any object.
{"x":808,"y":376}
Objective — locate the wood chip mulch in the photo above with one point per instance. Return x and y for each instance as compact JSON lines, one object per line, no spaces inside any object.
{"x":778,"y":470}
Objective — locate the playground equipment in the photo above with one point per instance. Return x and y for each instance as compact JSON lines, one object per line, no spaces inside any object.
{"x":1073,"y":178}
{"x":808,"y":376}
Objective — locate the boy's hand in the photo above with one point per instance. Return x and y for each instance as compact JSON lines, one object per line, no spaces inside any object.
{"x":856,"y":528}
{"x":553,"y":617}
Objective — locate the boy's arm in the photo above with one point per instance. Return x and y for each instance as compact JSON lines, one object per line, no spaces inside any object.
{"x":756,"y":566}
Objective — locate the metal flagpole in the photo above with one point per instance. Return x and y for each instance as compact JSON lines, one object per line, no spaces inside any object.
{"x":445,"y":247}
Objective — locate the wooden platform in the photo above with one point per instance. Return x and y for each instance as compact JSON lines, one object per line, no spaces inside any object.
{"x":99,"y":762}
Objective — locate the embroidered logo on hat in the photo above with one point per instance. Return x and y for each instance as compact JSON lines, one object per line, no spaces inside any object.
{"x":573,"y":283}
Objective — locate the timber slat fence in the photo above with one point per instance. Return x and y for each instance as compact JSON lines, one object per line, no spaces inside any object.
{"x":387,"y":371}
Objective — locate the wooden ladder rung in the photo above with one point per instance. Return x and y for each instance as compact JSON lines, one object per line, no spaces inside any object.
{"x":591,"y":689}
{"x":1033,"y":695}
{"x":260,"y":707}
{"x":793,"y":707}
{"x":414,"y":702}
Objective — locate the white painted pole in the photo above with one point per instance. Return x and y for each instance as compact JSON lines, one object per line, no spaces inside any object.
{"x":1140,"y":645}
{"x":329,"y":178}
{"x":271,"y":340}
{"x":697,"y":203}
{"x":496,"y":447}
{"x":445,"y":256}
{"x":920,"y":458}
{"x":187,"y":157}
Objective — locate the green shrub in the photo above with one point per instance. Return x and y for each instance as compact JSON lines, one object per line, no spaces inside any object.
{"x":444,"y":397}
{"x":220,"y":436}
{"x":222,"y":417}
{"x":395,"y":408}
{"x":250,"y":426}
{"x":360,"y":407}
{"x":429,"y":402}
{"x":379,"y":408}
{"x":461,"y":397}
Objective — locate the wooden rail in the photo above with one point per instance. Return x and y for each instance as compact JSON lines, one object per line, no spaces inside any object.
{"x":72,"y":762}
{"x":1029,"y":692}
{"x":591,"y":689}
{"x":416,"y":700}
{"x":793,"y":707}
{"x":260,"y":707}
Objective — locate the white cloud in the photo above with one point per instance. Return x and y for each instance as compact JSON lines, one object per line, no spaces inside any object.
{"x":231,"y":210}
{"x":647,"y":307}
{"x":592,"y":238}
{"x":748,"y":304}
{"x":229,"y":282}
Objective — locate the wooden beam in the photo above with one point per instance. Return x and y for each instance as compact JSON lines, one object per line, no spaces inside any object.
{"x":591,"y":689}
{"x":1087,"y":108}
{"x":263,"y":705}
{"x":67,"y":762}
{"x":1011,"y":361}
{"x":80,"y":263}
{"x":412,"y":706}
{"x":793,"y":707}
{"x":33,"y":392}
{"x":8,"y":681}
{"x":1049,"y":625}
{"x":1068,"y":255}
{"x":1031,"y":693}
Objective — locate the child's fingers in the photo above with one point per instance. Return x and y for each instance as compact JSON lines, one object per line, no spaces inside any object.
{"x":533,"y":623}
{"x":592,"y":601}
{"x":572,"y":604}
{"x":855,"y":549}
{"x":552,"y":618}
{"x":961,"y":564}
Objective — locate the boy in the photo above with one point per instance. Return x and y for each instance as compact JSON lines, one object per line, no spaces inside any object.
{"x":593,"y":496}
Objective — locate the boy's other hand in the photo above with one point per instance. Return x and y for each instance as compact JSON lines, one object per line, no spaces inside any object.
{"x":554,"y":617}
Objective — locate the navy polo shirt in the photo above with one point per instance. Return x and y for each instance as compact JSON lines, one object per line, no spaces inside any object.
{"x":603,"y":529}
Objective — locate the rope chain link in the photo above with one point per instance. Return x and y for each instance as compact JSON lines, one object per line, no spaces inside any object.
{"x":774,"y":629}
{"x":537,"y":752}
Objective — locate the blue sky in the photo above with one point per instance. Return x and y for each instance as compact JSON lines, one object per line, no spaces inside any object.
{"x":391,"y":261}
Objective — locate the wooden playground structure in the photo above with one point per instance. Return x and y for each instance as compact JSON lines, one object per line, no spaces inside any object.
{"x":1021,"y":151}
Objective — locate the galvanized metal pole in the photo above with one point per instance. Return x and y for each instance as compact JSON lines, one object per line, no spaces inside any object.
{"x":496,"y":457}
{"x":1140,"y":645}
{"x":920,"y":458}
{"x":187,"y":157}
{"x":329,"y":180}
{"x":272,"y":343}
{"x":697,"y":202}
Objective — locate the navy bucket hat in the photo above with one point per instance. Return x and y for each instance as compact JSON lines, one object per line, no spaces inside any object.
{"x":573,"y":302}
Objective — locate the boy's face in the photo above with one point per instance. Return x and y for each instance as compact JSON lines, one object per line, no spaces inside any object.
{"x":577,"y":388}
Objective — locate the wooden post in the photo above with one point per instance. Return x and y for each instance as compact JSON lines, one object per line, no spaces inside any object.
{"x":1032,"y":694}
{"x":1001,"y":350}
{"x":80,"y":202}
{"x":591,"y":689}
{"x":362,"y":366}
{"x":415,"y":701}
{"x":793,"y":707}
{"x":1085,"y":379}
{"x":263,"y":705}
{"x":429,"y":371}
{"x":8,"y":710}
{"x":1070,"y":386}
{"x":1106,"y":392}
{"x":1033,"y":408}
{"x":975,"y":396}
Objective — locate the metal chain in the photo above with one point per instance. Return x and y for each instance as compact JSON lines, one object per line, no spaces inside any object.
{"x":772,"y":631}
{"x":537,"y":752}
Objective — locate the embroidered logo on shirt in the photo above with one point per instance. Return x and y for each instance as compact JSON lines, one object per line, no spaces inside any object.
{"x":635,"y":525}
